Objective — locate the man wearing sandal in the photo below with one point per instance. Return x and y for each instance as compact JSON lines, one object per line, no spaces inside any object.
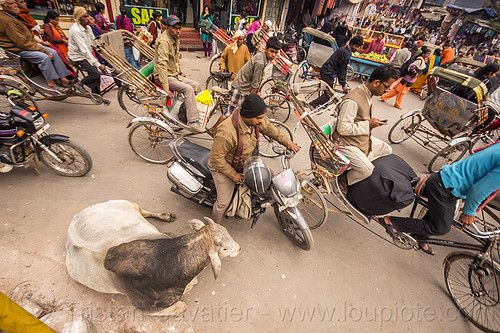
{"x":15,"y":37}
{"x":475,"y":179}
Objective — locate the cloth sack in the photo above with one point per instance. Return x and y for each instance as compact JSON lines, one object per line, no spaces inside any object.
{"x":241,"y":205}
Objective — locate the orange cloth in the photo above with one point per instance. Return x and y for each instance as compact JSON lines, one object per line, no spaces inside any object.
{"x":400,"y":90}
{"x":26,"y":18}
{"x":63,"y":47}
{"x":447,"y":55}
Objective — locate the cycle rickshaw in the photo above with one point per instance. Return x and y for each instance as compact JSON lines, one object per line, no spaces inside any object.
{"x":445,"y":124}
{"x":472,"y":277}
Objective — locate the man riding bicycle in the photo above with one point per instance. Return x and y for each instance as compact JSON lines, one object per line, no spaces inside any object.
{"x":474,"y":179}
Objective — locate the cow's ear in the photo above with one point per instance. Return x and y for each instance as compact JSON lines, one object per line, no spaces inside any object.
{"x":209,"y":220}
{"x":216,"y":264}
{"x":196,"y":224}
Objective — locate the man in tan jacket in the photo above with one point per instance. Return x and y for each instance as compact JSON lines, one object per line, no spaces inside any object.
{"x":250,"y":116}
{"x":167,"y":70}
{"x":355,"y":123}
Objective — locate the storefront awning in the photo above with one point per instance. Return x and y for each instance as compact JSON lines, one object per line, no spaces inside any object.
{"x":469,"y":6}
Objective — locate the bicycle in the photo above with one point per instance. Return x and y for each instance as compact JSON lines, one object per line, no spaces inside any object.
{"x":472,"y":278}
{"x":149,"y":135}
{"x":219,"y":79}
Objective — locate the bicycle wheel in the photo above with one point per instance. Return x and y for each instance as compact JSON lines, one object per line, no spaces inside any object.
{"x":25,"y":97}
{"x":278,"y":108}
{"x":312,"y":206}
{"x":150,"y":142}
{"x":350,"y":73}
{"x":482,"y":140}
{"x":266,"y":144}
{"x":129,"y":99}
{"x":474,"y":288}
{"x":268,"y":87}
{"x":301,"y":54}
{"x":300,"y":237}
{"x":304,"y":72}
{"x":213,"y":81}
{"x":404,"y":128}
{"x":215,"y":64}
{"x":448,"y":155}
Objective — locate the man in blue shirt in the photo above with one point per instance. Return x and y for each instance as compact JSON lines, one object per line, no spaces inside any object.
{"x":473,"y":179}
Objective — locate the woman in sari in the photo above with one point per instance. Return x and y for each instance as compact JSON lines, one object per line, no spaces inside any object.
{"x":53,"y":34}
{"x":433,"y":61}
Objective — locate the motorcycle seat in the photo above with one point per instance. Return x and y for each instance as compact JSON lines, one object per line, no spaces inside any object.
{"x":195,"y":155}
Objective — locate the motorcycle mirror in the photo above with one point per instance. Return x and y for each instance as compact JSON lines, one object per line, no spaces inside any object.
{"x":278,"y":150}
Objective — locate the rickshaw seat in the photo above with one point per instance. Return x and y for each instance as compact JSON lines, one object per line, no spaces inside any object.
{"x":220,"y":91}
{"x":309,"y":87}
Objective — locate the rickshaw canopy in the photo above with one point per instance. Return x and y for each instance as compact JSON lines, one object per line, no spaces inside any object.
{"x":319,"y":34}
{"x":476,"y":85}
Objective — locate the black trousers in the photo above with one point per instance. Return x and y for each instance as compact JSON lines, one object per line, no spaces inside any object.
{"x":323,"y":98}
{"x":93,"y":78}
{"x":439,"y":218}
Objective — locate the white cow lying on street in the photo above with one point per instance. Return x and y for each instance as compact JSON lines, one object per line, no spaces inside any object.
{"x":112,"y":248}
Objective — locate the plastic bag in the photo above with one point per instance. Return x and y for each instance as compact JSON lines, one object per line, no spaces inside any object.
{"x":205,"y":105}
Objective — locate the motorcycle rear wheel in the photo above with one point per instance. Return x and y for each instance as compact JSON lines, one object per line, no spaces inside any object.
{"x":301,"y":237}
{"x":76,"y":161}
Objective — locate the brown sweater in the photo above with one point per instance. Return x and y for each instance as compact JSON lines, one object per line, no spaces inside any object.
{"x":15,"y":36}
{"x":226,"y":142}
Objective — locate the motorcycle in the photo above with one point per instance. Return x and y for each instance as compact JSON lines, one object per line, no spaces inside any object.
{"x":190,"y":177}
{"x":24,"y":138}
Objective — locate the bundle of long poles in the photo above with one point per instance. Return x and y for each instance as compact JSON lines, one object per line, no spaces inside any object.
{"x":282,"y":61}
{"x":222,"y":36}
{"x":126,"y":72}
{"x":142,"y":47}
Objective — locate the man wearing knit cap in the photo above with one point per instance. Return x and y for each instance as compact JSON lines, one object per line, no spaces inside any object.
{"x":15,"y":37}
{"x":224,"y":164}
{"x":80,"y":51}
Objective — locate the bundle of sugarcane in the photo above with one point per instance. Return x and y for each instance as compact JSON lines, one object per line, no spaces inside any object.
{"x":282,"y":61}
{"x":326,"y":148}
{"x":138,"y":43}
{"x":215,"y":31}
{"x":125,"y":71}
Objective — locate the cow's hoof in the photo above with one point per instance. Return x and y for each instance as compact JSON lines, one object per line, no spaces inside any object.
{"x":175,"y":310}
{"x":167,"y":217}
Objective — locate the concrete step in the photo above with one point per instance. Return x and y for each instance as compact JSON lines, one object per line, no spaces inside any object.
{"x":190,"y":40}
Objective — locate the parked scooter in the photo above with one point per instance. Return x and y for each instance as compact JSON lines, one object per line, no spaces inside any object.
{"x":191,"y":178}
{"x":24,"y":137}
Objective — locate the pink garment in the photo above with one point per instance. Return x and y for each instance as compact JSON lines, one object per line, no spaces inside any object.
{"x":123,"y":22}
{"x":376,"y":46}
{"x":253,"y":27}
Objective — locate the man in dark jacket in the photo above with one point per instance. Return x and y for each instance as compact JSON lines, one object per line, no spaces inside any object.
{"x":336,"y":67}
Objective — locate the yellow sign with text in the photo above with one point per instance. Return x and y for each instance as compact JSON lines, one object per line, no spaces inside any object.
{"x":141,"y":15}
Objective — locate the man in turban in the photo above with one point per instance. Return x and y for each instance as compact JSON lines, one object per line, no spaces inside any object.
{"x":80,"y":51}
{"x":235,"y":141}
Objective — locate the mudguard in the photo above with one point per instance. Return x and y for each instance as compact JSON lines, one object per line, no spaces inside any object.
{"x":410,"y":113}
{"x":152,"y":120}
{"x":53,"y":138}
{"x":297,"y":216}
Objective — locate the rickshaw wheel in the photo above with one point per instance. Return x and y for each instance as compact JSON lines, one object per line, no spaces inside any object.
{"x":404,"y":128}
{"x":448,"y":155}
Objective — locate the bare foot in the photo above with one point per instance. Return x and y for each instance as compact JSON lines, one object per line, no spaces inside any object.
{"x":51,"y":84}
{"x":64,"y":82}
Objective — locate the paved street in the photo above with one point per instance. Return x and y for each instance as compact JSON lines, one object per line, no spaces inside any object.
{"x":353,"y":280}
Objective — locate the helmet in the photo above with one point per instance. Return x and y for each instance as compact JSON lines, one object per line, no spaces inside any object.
{"x":256,"y":175}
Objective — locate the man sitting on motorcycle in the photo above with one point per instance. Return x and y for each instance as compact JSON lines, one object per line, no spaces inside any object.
{"x":15,"y":37}
{"x":235,"y":141}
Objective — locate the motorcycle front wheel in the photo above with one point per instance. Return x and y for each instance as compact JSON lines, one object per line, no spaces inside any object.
{"x":75,"y":161}
{"x":301,"y":237}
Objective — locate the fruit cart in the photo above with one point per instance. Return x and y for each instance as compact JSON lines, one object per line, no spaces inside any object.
{"x":392,"y":41}
{"x":363,"y":67}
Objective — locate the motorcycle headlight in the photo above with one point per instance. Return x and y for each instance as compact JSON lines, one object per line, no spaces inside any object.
{"x":293,"y":201}
{"x":38,"y":123}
